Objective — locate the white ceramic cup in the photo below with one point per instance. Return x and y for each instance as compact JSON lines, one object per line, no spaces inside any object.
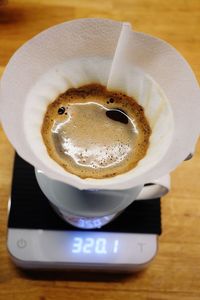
{"x":94,"y":208}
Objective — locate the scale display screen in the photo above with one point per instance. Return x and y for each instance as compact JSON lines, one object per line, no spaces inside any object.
{"x":87,"y":247}
{"x":94,"y":245}
{"x":105,"y":247}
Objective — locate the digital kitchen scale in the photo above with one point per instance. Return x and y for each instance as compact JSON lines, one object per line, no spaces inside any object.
{"x":39,"y":238}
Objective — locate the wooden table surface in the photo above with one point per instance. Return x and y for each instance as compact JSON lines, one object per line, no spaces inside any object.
{"x":175,"y":272}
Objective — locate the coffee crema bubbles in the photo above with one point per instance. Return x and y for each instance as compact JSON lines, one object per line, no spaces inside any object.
{"x":95,"y":133}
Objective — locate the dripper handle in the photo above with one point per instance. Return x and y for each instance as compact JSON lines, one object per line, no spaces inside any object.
{"x":155,"y":189}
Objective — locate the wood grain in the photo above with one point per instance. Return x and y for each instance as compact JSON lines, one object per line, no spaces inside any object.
{"x":175,"y":273}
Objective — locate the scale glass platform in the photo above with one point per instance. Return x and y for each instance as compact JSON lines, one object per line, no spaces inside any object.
{"x":39,"y":239}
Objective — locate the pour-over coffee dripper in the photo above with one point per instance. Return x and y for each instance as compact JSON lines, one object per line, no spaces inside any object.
{"x":104,"y":38}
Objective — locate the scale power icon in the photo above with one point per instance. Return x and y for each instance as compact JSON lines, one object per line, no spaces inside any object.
{"x":21,"y":243}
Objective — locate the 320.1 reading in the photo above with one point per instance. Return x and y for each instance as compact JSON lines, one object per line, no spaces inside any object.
{"x":94,"y":245}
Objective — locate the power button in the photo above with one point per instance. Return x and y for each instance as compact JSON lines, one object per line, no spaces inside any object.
{"x":21,"y":243}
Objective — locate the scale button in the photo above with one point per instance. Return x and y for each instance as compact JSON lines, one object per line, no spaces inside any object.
{"x":21,"y":243}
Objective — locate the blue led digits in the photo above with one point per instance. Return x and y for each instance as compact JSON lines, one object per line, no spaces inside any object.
{"x":77,"y":245}
{"x":115,"y":248}
{"x":94,"y":245}
{"x":88,"y":244}
{"x":100,"y":246}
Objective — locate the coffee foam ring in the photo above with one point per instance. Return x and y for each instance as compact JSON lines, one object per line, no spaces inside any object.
{"x":140,"y":67}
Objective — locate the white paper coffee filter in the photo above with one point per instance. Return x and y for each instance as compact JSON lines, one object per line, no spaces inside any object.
{"x":80,"y":71}
{"x":140,"y":63}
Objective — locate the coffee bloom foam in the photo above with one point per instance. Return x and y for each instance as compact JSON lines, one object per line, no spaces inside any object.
{"x":94,"y":133}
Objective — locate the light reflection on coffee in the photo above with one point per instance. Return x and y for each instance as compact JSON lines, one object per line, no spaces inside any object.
{"x":95,"y":133}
